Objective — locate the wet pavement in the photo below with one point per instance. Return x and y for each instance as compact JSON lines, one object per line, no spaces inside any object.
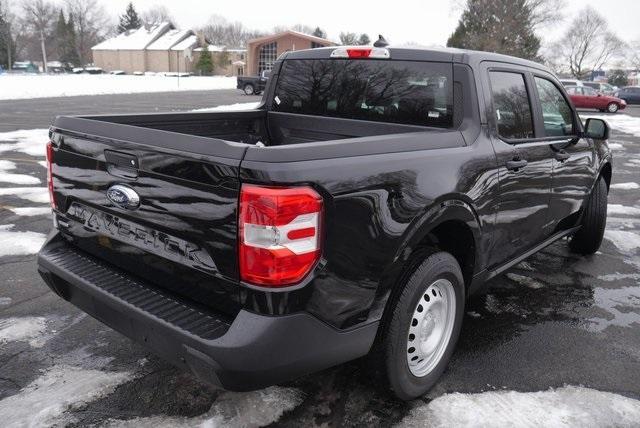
{"x":555,"y":319}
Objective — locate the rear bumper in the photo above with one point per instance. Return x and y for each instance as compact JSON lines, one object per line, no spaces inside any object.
{"x":248,"y":352}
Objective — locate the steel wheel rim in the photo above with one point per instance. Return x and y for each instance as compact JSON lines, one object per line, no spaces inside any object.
{"x":430,"y":327}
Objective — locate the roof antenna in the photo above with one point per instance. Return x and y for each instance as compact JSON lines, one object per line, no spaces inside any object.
{"x":381,"y":42}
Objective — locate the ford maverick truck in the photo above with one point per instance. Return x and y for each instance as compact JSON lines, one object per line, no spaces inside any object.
{"x":352,"y":213}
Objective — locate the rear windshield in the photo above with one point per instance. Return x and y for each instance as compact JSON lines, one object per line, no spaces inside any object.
{"x":409,"y":92}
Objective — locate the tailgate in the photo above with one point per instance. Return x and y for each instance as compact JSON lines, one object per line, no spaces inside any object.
{"x":159,"y":205}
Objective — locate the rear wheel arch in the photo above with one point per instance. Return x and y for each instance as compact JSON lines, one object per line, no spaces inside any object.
{"x":449,"y":225}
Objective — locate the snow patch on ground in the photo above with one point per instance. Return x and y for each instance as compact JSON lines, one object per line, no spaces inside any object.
{"x":618,"y":276}
{"x":618,"y":209}
{"x":21,"y":86}
{"x":616,"y":146}
{"x":30,"y":141}
{"x":569,"y":406}
{"x":60,"y":388}
{"x":626,"y":186}
{"x":10,"y":177}
{"x":31,"y":211}
{"x":14,"y":243}
{"x":21,"y":329}
{"x":619,"y":122}
{"x":5,"y":301}
{"x":525,"y":280}
{"x":623,"y":239}
{"x":231,"y":107}
{"x":231,"y":409}
{"x":621,"y":304}
{"x":38,"y":195}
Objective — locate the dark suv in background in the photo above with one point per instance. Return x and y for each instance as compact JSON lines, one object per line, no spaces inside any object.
{"x":631,"y":94}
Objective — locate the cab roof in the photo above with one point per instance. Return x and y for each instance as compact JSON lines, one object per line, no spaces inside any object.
{"x":463,"y":56}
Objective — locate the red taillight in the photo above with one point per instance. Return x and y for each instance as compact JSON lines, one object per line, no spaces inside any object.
{"x":358,"y":53}
{"x":49,"y":174}
{"x":279,"y":234}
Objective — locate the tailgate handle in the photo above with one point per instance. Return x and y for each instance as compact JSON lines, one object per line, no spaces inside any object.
{"x":121,"y":164}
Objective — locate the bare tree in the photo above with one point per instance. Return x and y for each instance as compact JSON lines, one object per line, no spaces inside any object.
{"x":633,"y":55}
{"x":219,"y":31}
{"x":157,"y":14}
{"x":39,"y":16}
{"x":545,"y":12}
{"x":588,"y":44}
{"x":92,"y":24}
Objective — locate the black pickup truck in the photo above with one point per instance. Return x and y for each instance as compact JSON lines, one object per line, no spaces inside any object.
{"x":253,"y":85}
{"x":352,"y":213}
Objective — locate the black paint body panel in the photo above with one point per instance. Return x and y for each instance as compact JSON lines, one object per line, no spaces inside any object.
{"x":386,"y":188}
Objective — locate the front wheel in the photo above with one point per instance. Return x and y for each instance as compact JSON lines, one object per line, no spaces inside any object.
{"x":587,"y":240}
{"x":248,"y":89}
{"x":424,"y":325}
{"x":612,"y":107}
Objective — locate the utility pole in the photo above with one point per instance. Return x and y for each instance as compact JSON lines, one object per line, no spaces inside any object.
{"x":44,"y":52}
{"x":9,"y":43}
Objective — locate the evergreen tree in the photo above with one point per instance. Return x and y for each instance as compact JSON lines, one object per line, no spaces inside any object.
{"x":364,"y":39}
{"x":205,"y":62}
{"x":7,"y":46}
{"x":503,"y":26}
{"x":72,"y":57}
{"x":61,"y":37}
{"x":618,"y":78}
{"x":130,"y":20}
{"x":319,"y":32}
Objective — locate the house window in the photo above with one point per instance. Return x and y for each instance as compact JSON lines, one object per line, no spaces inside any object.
{"x":316,"y":45}
{"x":268,"y":55}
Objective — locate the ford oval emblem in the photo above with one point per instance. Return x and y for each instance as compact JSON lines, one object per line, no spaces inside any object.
{"x":123,"y":196}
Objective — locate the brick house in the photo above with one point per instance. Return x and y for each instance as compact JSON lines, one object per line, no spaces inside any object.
{"x":263,"y":51}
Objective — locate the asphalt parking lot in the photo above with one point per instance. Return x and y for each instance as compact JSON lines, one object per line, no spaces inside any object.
{"x":555,"y":320}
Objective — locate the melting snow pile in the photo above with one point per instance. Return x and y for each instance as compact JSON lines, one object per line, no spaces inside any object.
{"x":10,"y":177}
{"x":231,"y":409}
{"x":231,"y":107}
{"x":30,"y":141}
{"x":59,"y":389}
{"x":21,"y":86}
{"x":19,"y":243}
{"x":38,"y":195}
{"x":563,"y":407}
{"x":626,"y":186}
{"x":17,"y":329}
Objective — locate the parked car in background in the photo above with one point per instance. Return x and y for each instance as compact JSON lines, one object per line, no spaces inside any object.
{"x":586,"y":97}
{"x":630,"y":94}
{"x":25,"y":67}
{"x":253,"y":85}
{"x":603,"y":87}
{"x":571,"y":82}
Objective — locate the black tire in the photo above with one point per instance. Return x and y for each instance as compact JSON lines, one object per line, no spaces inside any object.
{"x":248,"y":89}
{"x":392,"y":360}
{"x":587,"y":240}
{"x":612,"y":107}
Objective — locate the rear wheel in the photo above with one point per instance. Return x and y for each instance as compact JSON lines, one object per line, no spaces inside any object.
{"x":248,"y":89}
{"x":587,"y":240}
{"x":612,"y":107}
{"x":420,"y":335}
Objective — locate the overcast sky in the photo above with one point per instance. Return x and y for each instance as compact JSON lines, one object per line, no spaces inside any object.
{"x":400,"y":21}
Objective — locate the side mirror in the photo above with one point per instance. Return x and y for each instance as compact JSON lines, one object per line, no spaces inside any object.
{"x":596,"y":129}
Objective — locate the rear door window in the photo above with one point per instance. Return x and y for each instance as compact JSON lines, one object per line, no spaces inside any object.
{"x":511,"y":105}
{"x":409,"y":92}
{"x":556,"y":112}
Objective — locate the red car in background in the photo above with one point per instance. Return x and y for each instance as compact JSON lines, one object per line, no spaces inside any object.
{"x":585,"y":97}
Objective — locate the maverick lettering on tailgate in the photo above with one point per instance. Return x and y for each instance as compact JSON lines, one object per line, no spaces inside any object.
{"x":159,"y":243}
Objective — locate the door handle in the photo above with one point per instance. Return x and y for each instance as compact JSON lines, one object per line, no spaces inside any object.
{"x":516,"y":164}
{"x":562,"y":156}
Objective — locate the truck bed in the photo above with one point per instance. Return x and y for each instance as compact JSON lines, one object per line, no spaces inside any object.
{"x":247,"y":127}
